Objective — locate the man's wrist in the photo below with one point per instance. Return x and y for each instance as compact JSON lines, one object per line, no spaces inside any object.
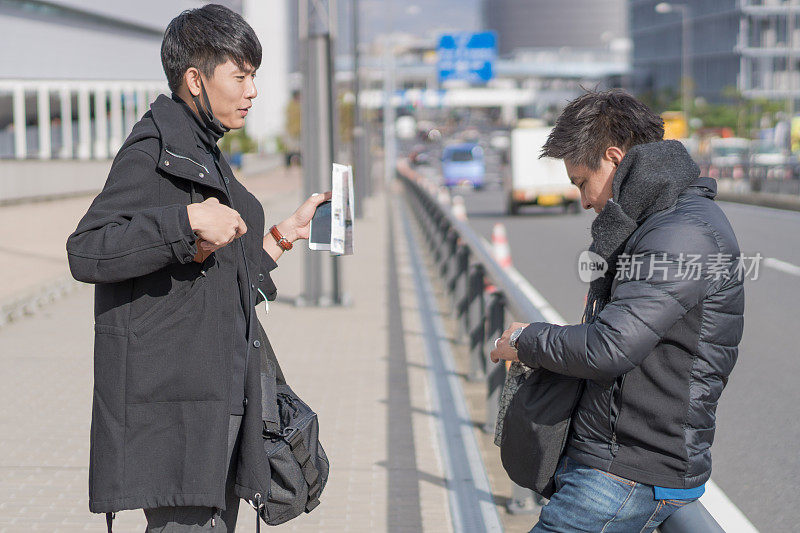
{"x":515,"y":337}
{"x":287,"y":230}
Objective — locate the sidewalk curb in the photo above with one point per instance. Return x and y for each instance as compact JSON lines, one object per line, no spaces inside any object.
{"x":29,"y":304}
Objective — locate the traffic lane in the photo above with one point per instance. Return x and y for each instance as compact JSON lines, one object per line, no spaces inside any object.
{"x":772,"y":232}
{"x":545,"y":244}
{"x":755,"y":445}
{"x":755,"y":449}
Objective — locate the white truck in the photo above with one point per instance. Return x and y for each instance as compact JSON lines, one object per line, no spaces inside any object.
{"x":534,"y":181}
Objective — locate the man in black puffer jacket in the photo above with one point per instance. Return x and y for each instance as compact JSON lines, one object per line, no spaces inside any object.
{"x":660,"y":330}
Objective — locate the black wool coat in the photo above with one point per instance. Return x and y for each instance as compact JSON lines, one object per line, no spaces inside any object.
{"x":162,"y":370}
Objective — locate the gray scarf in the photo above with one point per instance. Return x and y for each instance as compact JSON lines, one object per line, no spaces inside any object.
{"x":649,"y":179}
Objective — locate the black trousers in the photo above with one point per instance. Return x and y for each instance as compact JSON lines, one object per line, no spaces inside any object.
{"x":198,"y":519}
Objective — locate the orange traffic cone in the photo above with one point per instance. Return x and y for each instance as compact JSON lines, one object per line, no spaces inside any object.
{"x":501,"y":251}
{"x":500,"y":248}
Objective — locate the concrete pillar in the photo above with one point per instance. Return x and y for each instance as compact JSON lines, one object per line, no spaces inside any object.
{"x":20,"y":144}
{"x":84,"y":124}
{"x":43,"y":120}
{"x":65,"y":95}
{"x":130,"y":111}
{"x":116,"y":121}
{"x":100,"y":124}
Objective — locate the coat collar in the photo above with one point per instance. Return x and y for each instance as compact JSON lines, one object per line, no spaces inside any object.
{"x":180,"y":155}
{"x":704,"y":186}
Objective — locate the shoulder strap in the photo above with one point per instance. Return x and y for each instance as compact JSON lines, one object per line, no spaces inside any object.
{"x":270,"y":415}
{"x":268,"y":354}
{"x":271,"y":375}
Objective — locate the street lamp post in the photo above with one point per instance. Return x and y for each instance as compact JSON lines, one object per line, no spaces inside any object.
{"x":686,"y":67}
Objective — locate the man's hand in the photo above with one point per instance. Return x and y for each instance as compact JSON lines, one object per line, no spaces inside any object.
{"x":503,"y":350}
{"x":298,"y":225}
{"x":204,"y":249}
{"x":215,"y":225}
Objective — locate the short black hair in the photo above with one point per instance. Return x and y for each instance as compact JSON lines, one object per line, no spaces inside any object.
{"x":205,"y":38}
{"x":597,"y":120}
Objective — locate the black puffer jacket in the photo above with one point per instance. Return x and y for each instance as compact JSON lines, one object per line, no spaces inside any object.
{"x":660,"y":352}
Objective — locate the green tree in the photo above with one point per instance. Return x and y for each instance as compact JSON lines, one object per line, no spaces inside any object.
{"x":237,"y":141}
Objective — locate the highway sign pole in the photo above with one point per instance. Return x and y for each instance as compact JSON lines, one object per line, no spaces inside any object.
{"x":389,"y":146}
{"x":316,"y":22}
{"x":360,"y":169}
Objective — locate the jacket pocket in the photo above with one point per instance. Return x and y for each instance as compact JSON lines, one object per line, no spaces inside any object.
{"x":168,"y":304}
{"x":108,"y":413}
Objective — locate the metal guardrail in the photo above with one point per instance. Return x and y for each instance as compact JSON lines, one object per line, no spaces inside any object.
{"x":464,"y":264}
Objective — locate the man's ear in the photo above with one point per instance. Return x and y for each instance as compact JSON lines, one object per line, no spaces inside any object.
{"x":614,"y":154}
{"x":192,"y":79}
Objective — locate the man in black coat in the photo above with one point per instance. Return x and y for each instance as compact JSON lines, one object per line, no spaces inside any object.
{"x":660,"y":329}
{"x":176,"y":248}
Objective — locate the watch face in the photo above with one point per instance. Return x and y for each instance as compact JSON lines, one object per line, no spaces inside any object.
{"x":514,"y":337}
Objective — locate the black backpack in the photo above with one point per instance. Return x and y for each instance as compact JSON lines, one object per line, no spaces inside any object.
{"x":298,"y":464}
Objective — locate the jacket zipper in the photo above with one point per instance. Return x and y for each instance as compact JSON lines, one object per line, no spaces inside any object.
{"x":614,"y":446}
{"x":246,"y":270}
{"x":186,"y":158}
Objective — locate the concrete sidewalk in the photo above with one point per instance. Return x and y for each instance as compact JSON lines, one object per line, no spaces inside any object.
{"x":361,"y":367}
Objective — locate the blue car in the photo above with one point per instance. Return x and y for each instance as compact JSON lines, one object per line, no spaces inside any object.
{"x":463,"y":164}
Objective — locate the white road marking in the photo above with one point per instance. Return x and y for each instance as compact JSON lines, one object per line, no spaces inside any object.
{"x":725,"y":511}
{"x":539,"y":301}
{"x":783,"y":266}
{"x":714,"y":500}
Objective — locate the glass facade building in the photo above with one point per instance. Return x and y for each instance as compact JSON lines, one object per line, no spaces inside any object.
{"x":750,"y":45}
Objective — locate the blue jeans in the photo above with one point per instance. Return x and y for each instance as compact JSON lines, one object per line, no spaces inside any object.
{"x":591,"y":500}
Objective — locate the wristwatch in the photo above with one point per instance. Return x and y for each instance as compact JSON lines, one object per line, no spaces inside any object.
{"x":514,"y":336}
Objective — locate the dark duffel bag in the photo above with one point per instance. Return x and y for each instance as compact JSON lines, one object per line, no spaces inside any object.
{"x":535,"y":428}
{"x":298,"y":464}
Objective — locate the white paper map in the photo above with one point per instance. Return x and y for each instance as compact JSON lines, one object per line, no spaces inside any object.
{"x":342,"y":210}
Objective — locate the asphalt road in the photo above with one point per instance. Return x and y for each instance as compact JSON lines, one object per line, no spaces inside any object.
{"x":756,"y":453}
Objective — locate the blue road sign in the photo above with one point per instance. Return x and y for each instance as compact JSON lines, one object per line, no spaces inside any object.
{"x":467,"y":56}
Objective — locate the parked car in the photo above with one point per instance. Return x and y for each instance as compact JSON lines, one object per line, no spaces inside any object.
{"x":729,"y":156}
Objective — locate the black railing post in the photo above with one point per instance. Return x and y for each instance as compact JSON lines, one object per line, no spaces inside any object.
{"x":459,"y":288}
{"x":475,"y":322}
{"x":496,"y":375}
{"x":448,"y":260}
